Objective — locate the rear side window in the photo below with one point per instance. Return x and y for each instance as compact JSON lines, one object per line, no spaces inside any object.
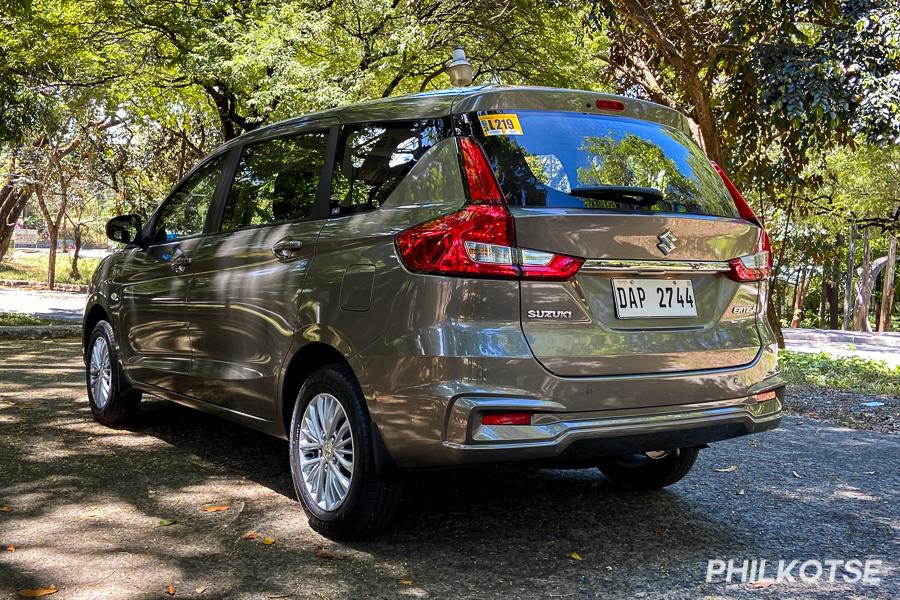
{"x":373,"y":158}
{"x":573,"y":160}
{"x":276,"y":181}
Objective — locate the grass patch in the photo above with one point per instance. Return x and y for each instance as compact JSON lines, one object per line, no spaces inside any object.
{"x":840,"y":372}
{"x":32,"y":266}
{"x":8,"y":319}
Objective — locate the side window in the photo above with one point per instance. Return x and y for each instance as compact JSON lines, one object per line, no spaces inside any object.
{"x":185,"y":212}
{"x":373,"y":158}
{"x":276,"y":181}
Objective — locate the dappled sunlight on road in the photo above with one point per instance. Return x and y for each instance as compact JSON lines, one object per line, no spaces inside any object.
{"x":88,"y":502}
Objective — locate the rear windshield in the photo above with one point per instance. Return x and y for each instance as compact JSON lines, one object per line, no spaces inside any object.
{"x":572,"y":160}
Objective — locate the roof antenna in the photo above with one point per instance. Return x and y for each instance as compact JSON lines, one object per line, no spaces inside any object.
{"x":459,"y":70}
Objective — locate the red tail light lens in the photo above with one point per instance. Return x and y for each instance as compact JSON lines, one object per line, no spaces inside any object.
{"x":511,"y":418}
{"x":758,"y":265}
{"x":483,"y":186}
{"x":479,"y":239}
{"x":476,"y":240}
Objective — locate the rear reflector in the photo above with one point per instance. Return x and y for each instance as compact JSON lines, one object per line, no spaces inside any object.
{"x":766,"y":396}
{"x":479,"y":239}
{"x":758,"y":265}
{"x":511,"y":418}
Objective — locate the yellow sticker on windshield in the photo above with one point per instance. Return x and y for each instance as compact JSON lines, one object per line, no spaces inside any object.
{"x":500,"y":125}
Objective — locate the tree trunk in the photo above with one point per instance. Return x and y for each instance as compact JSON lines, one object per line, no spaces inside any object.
{"x":76,"y":237}
{"x":823,"y":293}
{"x":833,"y":286}
{"x":861,"y":320}
{"x":53,"y":234}
{"x":887,"y":290}
{"x":800,"y":296}
{"x":848,"y":288}
{"x":772,"y":317}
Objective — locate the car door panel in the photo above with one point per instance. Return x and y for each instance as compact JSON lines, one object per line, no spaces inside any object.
{"x":248,"y":279}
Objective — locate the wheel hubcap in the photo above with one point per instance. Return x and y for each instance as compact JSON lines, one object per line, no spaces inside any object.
{"x":326,"y":451}
{"x":100,"y":372}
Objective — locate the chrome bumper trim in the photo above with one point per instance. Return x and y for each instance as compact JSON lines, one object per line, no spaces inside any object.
{"x":557,"y":431}
{"x":602,"y":265}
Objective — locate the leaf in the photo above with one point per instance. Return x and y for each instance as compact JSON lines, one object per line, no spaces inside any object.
{"x":6,"y":509}
{"x":574,"y":555}
{"x":268,"y":541}
{"x":38,"y":592}
{"x":406,"y":582}
{"x":200,"y":589}
{"x":170,"y":590}
{"x":323,"y":553}
{"x":217,"y":508}
{"x":796,"y":474}
{"x":167,"y":522}
{"x":762,"y":584}
{"x":730,"y":469}
{"x":10,"y":548}
{"x":250,"y":535}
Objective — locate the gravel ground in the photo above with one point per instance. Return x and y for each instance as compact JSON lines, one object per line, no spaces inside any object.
{"x":845,"y":408}
{"x":86,"y":504}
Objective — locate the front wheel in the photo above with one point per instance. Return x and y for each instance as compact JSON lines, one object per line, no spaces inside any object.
{"x":332,"y":458}
{"x":651,"y":471}
{"x":112,"y":401}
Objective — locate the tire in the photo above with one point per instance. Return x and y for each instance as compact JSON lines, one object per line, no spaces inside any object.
{"x":370,"y":500}
{"x":641,"y":473}
{"x":112,"y":400}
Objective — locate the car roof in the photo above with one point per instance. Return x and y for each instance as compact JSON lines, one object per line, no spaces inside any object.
{"x":442,"y":103}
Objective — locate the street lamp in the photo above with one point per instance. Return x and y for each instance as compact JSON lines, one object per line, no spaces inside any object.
{"x":459,"y":69}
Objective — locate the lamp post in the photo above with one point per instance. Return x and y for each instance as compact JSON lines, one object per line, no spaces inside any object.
{"x":459,"y":70}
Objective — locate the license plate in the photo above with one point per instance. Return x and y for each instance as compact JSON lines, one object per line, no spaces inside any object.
{"x":654,"y":298}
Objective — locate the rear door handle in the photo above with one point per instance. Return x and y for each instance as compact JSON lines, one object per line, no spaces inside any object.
{"x":181,"y":263}
{"x":285,"y":249}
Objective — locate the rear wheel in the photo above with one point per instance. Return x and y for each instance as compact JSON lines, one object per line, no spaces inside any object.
{"x":111,"y":399}
{"x":651,"y":471}
{"x":332,"y":458}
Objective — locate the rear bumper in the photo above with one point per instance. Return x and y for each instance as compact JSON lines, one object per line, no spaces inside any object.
{"x":612,"y":433}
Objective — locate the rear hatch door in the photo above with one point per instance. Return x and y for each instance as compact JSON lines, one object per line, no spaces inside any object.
{"x":656,"y":226}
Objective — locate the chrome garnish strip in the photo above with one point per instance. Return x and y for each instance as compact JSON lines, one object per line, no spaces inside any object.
{"x":602,"y":265}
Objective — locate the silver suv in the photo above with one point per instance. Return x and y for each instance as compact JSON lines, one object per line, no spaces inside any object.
{"x":483,"y":275}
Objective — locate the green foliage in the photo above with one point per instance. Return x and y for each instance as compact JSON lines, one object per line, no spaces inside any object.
{"x":8,"y":319}
{"x":22,"y":266}
{"x":841,"y":373}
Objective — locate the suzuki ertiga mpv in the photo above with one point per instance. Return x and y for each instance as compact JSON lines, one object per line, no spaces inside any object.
{"x":481,"y":275}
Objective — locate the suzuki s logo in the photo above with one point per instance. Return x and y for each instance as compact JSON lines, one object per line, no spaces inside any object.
{"x":667,"y":241}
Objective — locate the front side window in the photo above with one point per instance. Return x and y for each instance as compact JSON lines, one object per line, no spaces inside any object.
{"x":276,"y":181}
{"x":373,"y":158}
{"x":185,"y":213}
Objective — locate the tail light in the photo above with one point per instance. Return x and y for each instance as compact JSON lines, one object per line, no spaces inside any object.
{"x":479,"y":239}
{"x":756,"y":266}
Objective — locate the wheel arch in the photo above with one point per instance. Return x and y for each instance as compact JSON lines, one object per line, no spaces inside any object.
{"x":93,"y":316}
{"x":303,"y":363}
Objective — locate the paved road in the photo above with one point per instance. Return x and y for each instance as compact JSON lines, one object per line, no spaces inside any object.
{"x":879,"y":346}
{"x":87,"y":502}
{"x":55,"y":305}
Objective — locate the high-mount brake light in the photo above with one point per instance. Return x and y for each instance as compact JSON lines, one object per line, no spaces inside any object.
{"x":479,"y":239}
{"x":756,"y":266}
{"x":615,"y":105}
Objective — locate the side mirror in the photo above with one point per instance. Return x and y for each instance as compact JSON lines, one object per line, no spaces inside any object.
{"x":125,"y":229}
